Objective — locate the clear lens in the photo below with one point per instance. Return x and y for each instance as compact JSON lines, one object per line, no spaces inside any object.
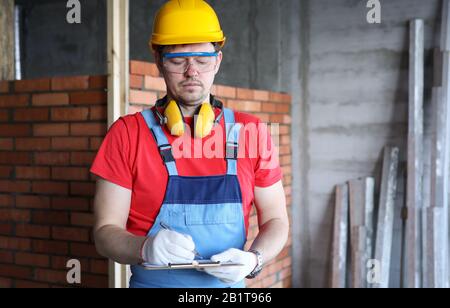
{"x":181,"y":64}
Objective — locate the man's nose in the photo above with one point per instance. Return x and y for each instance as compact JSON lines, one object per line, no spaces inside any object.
{"x":191,"y":70}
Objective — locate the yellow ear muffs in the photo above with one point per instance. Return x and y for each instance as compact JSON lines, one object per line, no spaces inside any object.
{"x":175,"y":121}
{"x":204,"y":121}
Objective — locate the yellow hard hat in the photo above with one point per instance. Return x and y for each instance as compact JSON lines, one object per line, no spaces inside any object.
{"x":186,"y":22}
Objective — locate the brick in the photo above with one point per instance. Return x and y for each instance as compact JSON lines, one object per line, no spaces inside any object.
{"x":25,"y":284}
{"x":51,"y":129}
{"x":15,"y":271}
{"x":50,"y":247}
{"x":50,"y":217}
{"x":5,"y":229}
{"x":82,"y":189}
{"x":6,"y":200}
{"x":70,"y":83}
{"x":94,"y":281}
{"x":33,"y":231}
{"x":280,"y":118}
{"x":98,"y":113}
{"x":5,"y":172}
{"x":136,"y":82}
{"x":47,"y":187}
{"x":98,"y":266}
{"x":50,"y":99}
{"x":95,"y":143}
{"x":51,"y":276}
{"x":70,"y":114}
{"x":132,"y":109}
{"x":4,"y":86}
{"x":52,"y":158}
{"x":35,"y":85}
{"x":14,"y":215}
{"x":154,"y":83}
{"x":244,"y":94}
{"x":82,"y":158}
{"x":31,"y":114}
{"x":6,"y":144}
{"x":225,"y":92}
{"x":13,"y":243}
{"x":33,"y":202}
{"x":4,"y":116}
{"x":269,"y":107}
{"x":6,"y":257}
{"x":5,"y":283}
{"x":14,"y":186}
{"x":14,"y":101}
{"x":88,"y":98}
{"x":67,"y":203}
{"x":34,"y":144}
{"x":42,"y":173}
{"x":98,"y":82}
{"x":84,"y":250}
{"x":284,"y":108}
{"x":260,"y":95}
{"x":143,"y":68}
{"x":70,"y":143}
{"x":70,"y":173}
{"x":15,"y":130}
{"x":279,"y":97}
{"x":142,"y":97}
{"x":82,"y":219}
{"x":246,"y":106}
{"x":70,"y":234}
{"x":88,"y":129}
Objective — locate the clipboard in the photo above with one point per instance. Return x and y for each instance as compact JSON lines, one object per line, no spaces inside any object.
{"x":197,"y":264}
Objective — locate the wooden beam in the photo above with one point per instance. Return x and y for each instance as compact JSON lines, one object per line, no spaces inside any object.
{"x":361,"y":229}
{"x":7,"y":57}
{"x":340,"y":238}
{"x":118,"y":87}
{"x":386,"y":210}
{"x":415,"y":147}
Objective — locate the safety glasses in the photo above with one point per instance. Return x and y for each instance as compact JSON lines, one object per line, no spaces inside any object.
{"x":179,"y":63}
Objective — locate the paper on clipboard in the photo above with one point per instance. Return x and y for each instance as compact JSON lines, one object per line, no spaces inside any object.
{"x":194,"y":265}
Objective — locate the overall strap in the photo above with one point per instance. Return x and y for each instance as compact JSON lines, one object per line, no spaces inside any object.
{"x":232,"y":144}
{"x":165,"y":149}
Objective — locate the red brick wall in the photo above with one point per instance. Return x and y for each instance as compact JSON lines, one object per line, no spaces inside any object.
{"x":146,"y":86}
{"x":50,"y":130}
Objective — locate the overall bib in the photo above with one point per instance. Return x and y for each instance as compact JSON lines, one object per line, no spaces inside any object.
{"x":208,"y":208}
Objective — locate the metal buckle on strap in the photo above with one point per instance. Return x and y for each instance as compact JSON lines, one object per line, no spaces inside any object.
{"x":166,"y":153}
{"x":232,"y":150}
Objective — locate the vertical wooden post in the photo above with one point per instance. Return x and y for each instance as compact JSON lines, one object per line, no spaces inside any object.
{"x":118,"y":87}
{"x":340,"y":238}
{"x":415,"y":148}
{"x":385,"y":226}
{"x":7,"y":57}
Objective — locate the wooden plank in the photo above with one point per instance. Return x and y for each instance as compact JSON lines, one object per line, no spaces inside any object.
{"x":415,"y":161}
{"x":340,"y":238}
{"x":361,"y":232}
{"x":7,"y":56}
{"x":118,"y":87}
{"x":385,"y":224}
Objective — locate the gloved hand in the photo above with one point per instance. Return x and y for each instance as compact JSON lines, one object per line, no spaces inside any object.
{"x":233,"y":274}
{"x":166,"y":247}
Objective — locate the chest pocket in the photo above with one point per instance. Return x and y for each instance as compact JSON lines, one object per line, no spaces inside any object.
{"x":209,"y":214}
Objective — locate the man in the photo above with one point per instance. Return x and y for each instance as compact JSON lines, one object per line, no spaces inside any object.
{"x":153,"y":209}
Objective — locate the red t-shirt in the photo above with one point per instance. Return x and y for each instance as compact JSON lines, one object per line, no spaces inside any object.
{"x":129,"y":157}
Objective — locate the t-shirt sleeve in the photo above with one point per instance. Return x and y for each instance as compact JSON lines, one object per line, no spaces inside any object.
{"x":112,"y":161}
{"x":267,"y":168}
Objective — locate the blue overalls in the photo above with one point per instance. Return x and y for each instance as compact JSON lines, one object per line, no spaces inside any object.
{"x":209,"y":208}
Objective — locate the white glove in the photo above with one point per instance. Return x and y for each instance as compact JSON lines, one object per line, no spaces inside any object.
{"x":233,"y":274}
{"x":168,"y":247}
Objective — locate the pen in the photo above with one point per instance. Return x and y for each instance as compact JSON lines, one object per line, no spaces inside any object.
{"x":165,"y":226}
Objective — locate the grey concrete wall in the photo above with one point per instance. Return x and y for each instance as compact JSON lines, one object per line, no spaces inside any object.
{"x":356,"y":103}
{"x":52,"y":47}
